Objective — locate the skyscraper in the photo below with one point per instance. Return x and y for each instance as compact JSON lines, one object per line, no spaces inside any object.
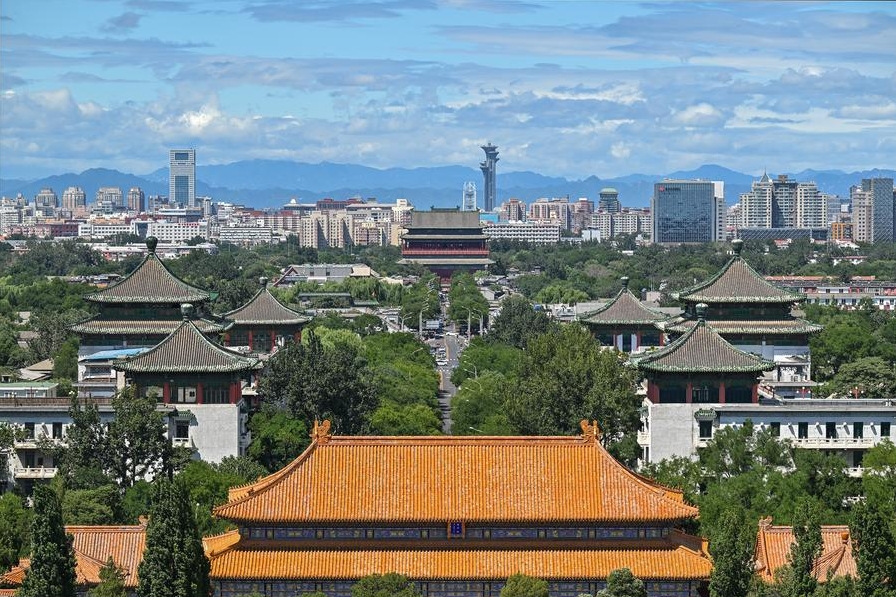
{"x":883,"y":207}
{"x":782,"y":203}
{"x":489,"y":168}
{"x":685,"y":211}
{"x":182,"y":177}
{"x":136,"y":200}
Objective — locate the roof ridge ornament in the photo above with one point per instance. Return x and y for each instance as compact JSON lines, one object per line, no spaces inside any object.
{"x":624,"y":280}
{"x":701,"y":313}
{"x":737,"y":245}
{"x":320,"y":433}
{"x":590,"y":431}
{"x":187,"y":311}
{"x":151,"y":243}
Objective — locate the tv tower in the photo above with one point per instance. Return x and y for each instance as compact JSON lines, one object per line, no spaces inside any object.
{"x":469,"y":203}
{"x":488,"y":168}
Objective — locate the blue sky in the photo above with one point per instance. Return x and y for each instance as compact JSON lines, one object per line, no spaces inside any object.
{"x":563,"y":87}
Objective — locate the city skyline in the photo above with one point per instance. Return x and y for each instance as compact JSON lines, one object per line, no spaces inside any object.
{"x":566,"y":88}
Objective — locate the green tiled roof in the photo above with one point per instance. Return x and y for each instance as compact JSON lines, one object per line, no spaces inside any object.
{"x":737,"y":282}
{"x":624,"y":309}
{"x":752,"y":326}
{"x":265,"y":309}
{"x":187,"y":350}
{"x":118,"y":327}
{"x":701,"y":350}
{"x":151,"y":282}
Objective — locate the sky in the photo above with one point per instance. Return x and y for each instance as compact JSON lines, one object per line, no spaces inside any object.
{"x":562,"y":87}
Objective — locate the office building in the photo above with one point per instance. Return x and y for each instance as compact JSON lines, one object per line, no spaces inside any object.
{"x":686,"y":211}
{"x":109,"y":199}
{"x":73,"y":198}
{"x":489,"y":172}
{"x":880,"y":194}
{"x":182,"y":177}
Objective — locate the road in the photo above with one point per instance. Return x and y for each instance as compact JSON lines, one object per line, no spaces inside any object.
{"x":447,"y":389}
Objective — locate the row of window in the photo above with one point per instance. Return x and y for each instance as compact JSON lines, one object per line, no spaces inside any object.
{"x":54,"y":429}
{"x":802,"y":429}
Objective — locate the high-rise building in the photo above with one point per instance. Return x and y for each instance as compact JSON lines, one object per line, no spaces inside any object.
{"x":469,"y":203}
{"x":109,"y":198}
{"x":73,"y":198}
{"x":609,"y":201}
{"x":862,"y":214}
{"x":783,"y":203}
{"x":182,"y":177}
{"x":489,"y":172}
{"x":883,"y":207}
{"x":686,"y":211}
{"x":136,"y":200}
{"x":512,"y":210}
{"x":46,"y":200}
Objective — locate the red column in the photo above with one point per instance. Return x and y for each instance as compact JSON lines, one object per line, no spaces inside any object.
{"x":689,"y":393}
{"x":166,"y":393}
{"x":653,"y":392}
{"x":638,"y":337}
{"x":250,"y":339}
{"x":199,"y":396}
{"x":722,"y":392}
{"x":273,"y":340}
{"x":755,"y":393}
{"x":234,"y":392}
{"x":227,"y":339}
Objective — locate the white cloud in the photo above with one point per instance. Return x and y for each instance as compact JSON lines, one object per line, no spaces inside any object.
{"x":700,"y":115}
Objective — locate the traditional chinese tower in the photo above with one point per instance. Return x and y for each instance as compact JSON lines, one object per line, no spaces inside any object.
{"x":625,"y":322}
{"x":702,"y":367}
{"x":263,"y":323}
{"x":457,"y":516}
{"x":444,"y":241}
{"x":142,"y":308}
{"x":755,"y":316}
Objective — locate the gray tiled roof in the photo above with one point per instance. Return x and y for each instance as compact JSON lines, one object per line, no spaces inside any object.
{"x":150,"y":282}
{"x":624,"y":309}
{"x":753,"y":326}
{"x":701,"y":350}
{"x":143,"y":326}
{"x":187,"y":350}
{"x":264,"y":309}
{"x":737,"y":282}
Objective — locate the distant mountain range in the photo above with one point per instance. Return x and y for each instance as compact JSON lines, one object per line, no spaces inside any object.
{"x":271,"y":183}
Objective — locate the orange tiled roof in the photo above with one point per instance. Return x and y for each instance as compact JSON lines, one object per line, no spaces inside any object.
{"x":668,"y":561}
{"x":773,"y":547}
{"x":93,"y":545}
{"x":437,"y":479}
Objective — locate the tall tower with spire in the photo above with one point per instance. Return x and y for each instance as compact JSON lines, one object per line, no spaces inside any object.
{"x":489,"y":167}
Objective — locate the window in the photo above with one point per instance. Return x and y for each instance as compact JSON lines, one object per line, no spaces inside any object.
{"x":705,"y":429}
{"x":182,"y":430}
{"x":802,"y":430}
{"x":29,"y":430}
{"x":885,"y":429}
{"x":776,"y":429}
{"x":187,"y":395}
{"x":857,"y":429}
{"x":57,"y":430}
{"x":830,"y":430}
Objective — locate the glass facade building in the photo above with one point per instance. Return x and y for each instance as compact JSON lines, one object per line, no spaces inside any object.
{"x":684,"y":211}
{"x":182,"y":177}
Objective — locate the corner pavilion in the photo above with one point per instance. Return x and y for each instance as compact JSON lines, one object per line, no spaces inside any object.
{"x":625,"y":322}
{"x":457,"y":516}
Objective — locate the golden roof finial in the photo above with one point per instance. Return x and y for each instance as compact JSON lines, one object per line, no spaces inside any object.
{"x":590,"y":431}
{"x":320,"y":433}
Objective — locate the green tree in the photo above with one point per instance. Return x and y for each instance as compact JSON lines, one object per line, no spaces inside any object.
{"x":481,"y":356}
{"x":385,"y":585}
{"x":174,"y":563}
{"x":111,"y":581}
{"x":874,"y":547}
{"x":52,"y":569}
{"x":413,"y":419}
{"x":622,"y":583}
{"x":316,"y":383}
{"x":517,"y":322}
{"x":136,"y":502}
{"x":82,"y":462}
{"x":15,"y":523}
{"x":732,"y":554}
{"x":277,"y":438}
{"x":137,"y":446}
{"x":65,"y":361}
{"x":98,"y":506}
{"x":52,"y":332}
{"x":804,"y":552}
{"x":879,"y":480}
{"x":465,"y":302}
{"x":478,"y":406}
{"x":565,"y":377}
{"x":870,"y":377}
{"x":520,"y":585}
